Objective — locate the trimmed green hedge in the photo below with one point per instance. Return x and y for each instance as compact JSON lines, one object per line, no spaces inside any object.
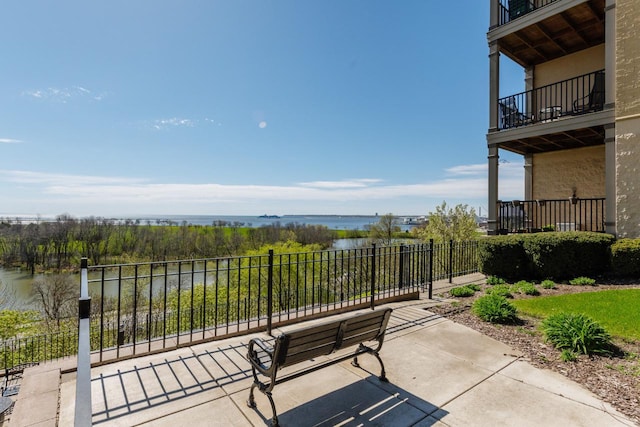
{"x":557,"y":255}
{"x":561,"y":255}
{"x":504,"y":256}
{"x":625,"y":257}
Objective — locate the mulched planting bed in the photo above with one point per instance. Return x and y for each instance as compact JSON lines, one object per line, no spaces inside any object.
{"x":615,"y":379}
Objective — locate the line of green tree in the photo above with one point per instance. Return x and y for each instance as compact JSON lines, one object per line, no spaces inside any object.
{"x":58,"y":245}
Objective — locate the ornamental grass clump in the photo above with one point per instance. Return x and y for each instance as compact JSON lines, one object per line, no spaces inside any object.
{"x":495,"y":309}
{"x":582,"y":281}
{"x":502,"y":290}
{"x":524,"y":287}
{"x":462,"y":291}
{"x":494,"y":280}
{"x":576,"y":333}
{"x":548,"y":284}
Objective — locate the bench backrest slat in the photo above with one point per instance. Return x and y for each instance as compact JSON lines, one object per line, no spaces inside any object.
{"x":364,"y":328}
{"x":322,"y":340}
{"x":308,"y":343}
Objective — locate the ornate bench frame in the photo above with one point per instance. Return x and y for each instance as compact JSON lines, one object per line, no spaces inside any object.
{"x":315,"y":341}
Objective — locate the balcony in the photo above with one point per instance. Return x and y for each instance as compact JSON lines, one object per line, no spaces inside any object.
{"x":541,"y":30}
{"x":557,"y":106}
{"x":572,"y":214}
{"x":571,"y":97}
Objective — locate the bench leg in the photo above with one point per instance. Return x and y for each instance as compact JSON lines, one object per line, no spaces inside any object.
{"x":274,"y":420}
{"x":383,"y":373}
{"x":251,"y":403}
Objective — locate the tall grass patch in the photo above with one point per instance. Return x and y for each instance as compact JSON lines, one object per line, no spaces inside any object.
{"x":576,"y":333}
{"x":616,"y":310}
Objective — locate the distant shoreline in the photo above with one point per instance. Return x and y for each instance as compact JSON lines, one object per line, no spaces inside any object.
{"x":331,"y":221}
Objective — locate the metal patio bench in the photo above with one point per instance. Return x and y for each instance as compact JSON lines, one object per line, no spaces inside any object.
{"x":311,"y":342}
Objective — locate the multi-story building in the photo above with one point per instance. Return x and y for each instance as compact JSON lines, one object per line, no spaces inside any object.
{"x":577,"y":120}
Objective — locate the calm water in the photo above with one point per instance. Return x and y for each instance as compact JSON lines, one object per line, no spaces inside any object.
{"x":333,"y":222}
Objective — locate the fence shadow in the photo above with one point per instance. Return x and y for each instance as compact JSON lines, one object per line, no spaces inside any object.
{"x":367,"y":402}
{"x":164,"y":380}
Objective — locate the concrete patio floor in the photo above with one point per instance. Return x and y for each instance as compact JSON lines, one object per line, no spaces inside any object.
{"x":440,"y":374}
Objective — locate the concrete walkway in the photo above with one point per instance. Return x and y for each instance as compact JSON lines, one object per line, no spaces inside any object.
{"x":440,"y":374}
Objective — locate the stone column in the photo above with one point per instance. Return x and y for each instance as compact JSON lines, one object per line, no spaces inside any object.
{"x":528,"y":176}
{"x":494,"y":85}
{"x":492,"y":222}
{"x":610,"y":179}
{"x":627,"y":107}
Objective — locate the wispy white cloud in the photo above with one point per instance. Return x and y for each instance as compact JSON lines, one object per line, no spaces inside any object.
{"x":104,"y":193}
{"x":173,"y":122}
{"x":467,"y":169}
{"x":355,"y":183}
{"x":9,"y":141}
{"x":49,"y":179}
{"x":63,"y":95}
{"x":178,"y":122}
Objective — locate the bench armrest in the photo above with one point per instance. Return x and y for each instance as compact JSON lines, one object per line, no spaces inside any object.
{"x":260,"y":352}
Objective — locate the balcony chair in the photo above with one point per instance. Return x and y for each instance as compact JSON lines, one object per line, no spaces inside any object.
{"x":510,"y":117}
{"x":595,"y":100}
{"x":518,"y":8}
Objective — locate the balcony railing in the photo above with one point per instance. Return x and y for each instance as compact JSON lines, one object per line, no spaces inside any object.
{"x":572,"y":214}
{"x":512,"y":9}
{"x":571,"y":97}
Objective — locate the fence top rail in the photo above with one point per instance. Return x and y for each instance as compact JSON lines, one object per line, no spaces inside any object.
{"x":568,"y":199}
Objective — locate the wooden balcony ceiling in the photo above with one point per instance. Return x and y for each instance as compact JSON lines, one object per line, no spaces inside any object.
{"x":578,"y":138}
{"x":570,"y":31}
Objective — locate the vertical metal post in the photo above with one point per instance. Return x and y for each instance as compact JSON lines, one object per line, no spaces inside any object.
{"x":401,"y":267}
{"x":373,"y":278}
{"x":270,"y":291}
{"x":450,"y":261}
{"x":83,"y":379}
{"x":430,"y":272}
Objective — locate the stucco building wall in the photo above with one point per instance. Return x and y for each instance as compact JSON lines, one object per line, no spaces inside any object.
{"x":569,"y":66}
{"x":556,"y":175}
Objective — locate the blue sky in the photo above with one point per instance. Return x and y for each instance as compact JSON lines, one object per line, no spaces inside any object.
{"x":245,"y":107}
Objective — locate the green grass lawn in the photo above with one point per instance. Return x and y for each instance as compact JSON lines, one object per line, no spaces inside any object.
{"x":618,"y":311}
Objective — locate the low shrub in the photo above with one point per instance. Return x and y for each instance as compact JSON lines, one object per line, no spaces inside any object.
{"x":625,"y":257}
{"x":503,"y":256}
{"x":494,"y":280}
{"x":556,"y":255}
{"x":548,"y":284}
{"x":582,"y":281}
{"x":495,"y":309}
{"x":576,"y":333}
{"x":462,"y":291}
{"x":562,"y":255}
{"x":501,"y":290}
{"x":524,"y":287}
{"x":474,"y":286}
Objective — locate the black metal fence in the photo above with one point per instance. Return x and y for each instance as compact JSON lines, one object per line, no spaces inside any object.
{"x":147,"y":307}
{"x":572,"y":214}
{"x":571,"y":97}
{"x":513,"y":9}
